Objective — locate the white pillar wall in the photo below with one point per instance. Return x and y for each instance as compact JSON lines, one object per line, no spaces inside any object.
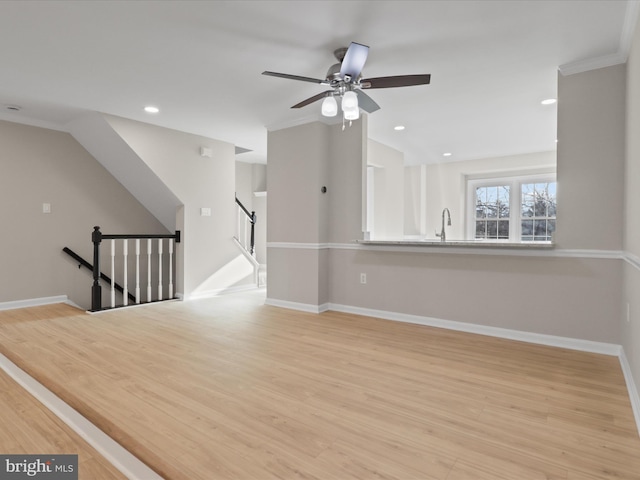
{"x":302,"y":219}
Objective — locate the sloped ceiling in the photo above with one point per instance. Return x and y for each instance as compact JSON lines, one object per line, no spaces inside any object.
{"x":200,"y":62}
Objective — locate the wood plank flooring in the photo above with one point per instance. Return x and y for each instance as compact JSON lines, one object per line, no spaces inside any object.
{"x":228,"y":388}
{"x":27,"y":427}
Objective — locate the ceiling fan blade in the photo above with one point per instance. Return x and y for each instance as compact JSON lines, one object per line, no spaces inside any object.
{"x":397,"y":81}
{"x":366,"y":103}
{"x":295,"y":77}
{"x":309,"y":100}
{"x":354,"y":61}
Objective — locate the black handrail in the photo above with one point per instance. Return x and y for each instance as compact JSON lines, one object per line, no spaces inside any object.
{"x":253,"y":219}
{"x":96,"y":238}
{"x":83,"y":263}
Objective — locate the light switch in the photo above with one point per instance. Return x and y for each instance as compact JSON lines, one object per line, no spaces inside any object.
{"x":205,"y":212}
{"x":46,"y":208}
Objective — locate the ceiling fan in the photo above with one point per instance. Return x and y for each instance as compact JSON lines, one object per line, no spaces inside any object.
{"x":346,"y":82}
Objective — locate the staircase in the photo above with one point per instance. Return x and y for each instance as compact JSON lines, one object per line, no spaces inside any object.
{"x":245,"y":241}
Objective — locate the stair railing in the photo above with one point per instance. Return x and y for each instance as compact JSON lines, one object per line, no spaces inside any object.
{"x":83,"y":263}
{"x":245,"y":231}
{"x":96,"y":290}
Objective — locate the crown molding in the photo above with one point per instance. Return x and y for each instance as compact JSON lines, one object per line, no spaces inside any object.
{"x":32,"y":122}
{"x":621,"y":56}
{"x":592,"y":64}
{"x":628,"y":28}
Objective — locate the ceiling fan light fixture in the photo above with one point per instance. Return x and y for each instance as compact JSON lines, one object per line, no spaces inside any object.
{"x":352,"y":114}
{"x":329,"y":106}
{"x":349,"y":101}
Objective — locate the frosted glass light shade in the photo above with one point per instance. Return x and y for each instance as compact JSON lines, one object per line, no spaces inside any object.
{"x":352,"y":114}
{"x":349,"y":101}
{"x":329,"y":107}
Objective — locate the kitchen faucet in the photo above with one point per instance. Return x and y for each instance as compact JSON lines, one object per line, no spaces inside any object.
{"x":442,"y":234}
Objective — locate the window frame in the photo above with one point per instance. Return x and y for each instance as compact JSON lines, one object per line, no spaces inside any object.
{"x":515,"y":182}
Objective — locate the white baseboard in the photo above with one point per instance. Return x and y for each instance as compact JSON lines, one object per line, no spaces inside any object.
{"x":120,"y":458}
{"x":631,"y":387}
{"x":217,"y":291}
{"x":303,"y":307}
{"x":538,"y":338}
{"x":36,"y":302}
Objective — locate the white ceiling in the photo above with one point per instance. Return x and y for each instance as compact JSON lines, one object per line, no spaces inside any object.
{"x":200,"y":62}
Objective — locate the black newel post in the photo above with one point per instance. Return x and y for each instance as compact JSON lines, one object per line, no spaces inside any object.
{"x":253,"y":225}
{"x":96,"y":289}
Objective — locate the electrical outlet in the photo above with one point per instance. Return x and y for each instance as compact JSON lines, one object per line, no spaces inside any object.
{"x":46,"y":208}
{"x":363,"y":278}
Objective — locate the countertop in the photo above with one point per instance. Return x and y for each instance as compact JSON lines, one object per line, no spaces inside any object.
{"x":462,"y":243}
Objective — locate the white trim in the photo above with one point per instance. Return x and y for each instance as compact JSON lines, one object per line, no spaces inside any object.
{"x":629,"y":26}
{"x":529,"y":337}
{"x":132,"y":305}
{"x":32,"y":122}
{"x":218,"y":291}
{"x":296,"y":122}
{"x":515,"y":181}
{"x":303,"y":307}
{"x":113,"y":452}
{"x":462,"y":247}
{"x":299,"y":245}
{"x":36,"y":302}
{"x":621,"y":56}
{"x":511,"y":249}
{"x":631,"y":387}
{"x":592,"y":63}
{"x":465,"y":248}
{"x":631,"y":259}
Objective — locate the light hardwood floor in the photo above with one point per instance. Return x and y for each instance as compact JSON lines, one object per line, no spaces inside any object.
{"x":228,"y":388}
{"x":27,"y":427}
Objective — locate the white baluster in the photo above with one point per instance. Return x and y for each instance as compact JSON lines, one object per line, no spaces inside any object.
{"x":239,"y":218}
{"x":148,"y":269}
{"x":159,"y":269}
{"x":137,"y":270}
{"x":246,"y":232}
{"x":125,"y":283}
{"x":171,"y":240}
{"x":113,"y":273}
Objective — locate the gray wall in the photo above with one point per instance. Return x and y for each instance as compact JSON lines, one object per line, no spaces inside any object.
{"x":577,"y":297}
{"x":297,"y":211}
{"x":212,"y":263}
{"x":388,"y":187}
{"x":45,"y":166}
{"x":591,"y":136}
{"x":301,"y":219}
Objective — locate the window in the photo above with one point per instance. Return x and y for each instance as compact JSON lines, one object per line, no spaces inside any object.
{"x":519,"y":208}
{"x":492,"y":212}
{"x":537,"y":211}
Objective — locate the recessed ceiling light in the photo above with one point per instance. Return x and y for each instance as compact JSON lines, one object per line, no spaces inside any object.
{"x":151,"y":109}
{"x":549,"y":101}
{"x":448,"y":154}
{"x":398,"y":127}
